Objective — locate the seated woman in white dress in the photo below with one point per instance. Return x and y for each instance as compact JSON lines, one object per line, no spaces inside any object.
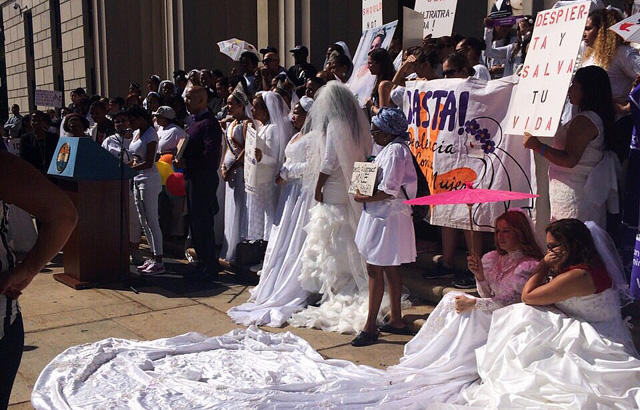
{"x":385,"y":235}
{"x":568,"y":347}
{"x":582,"y":171}
{"x":279,"y":293}
{"x":442,"y":354}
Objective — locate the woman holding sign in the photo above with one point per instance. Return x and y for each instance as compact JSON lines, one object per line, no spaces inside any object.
{"x":582,"y":175}
{"x":385,"y":235}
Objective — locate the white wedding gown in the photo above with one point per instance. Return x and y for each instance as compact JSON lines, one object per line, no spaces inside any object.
{"x":279,"y":294}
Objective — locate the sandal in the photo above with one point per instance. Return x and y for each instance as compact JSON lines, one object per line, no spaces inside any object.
{"x":387,"y":328}
{"x":365,"y":339}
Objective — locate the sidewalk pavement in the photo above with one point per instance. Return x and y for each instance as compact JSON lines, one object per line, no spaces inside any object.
{"x":57,"y":317}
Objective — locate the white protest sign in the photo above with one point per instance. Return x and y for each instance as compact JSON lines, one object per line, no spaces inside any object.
{"x":411,"y":28}
{"x":361,"y":82}
{"x":371,"y":14}
{"x":456,"y":134}
{"x":250,"y":163}
{"x":438,"y":16}
{"x":48,"y":98}
{"x":363,"y":178}
{"x":544,"y":80}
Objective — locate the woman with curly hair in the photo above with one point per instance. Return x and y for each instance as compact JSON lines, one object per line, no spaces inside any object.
{"x":606,"y":49}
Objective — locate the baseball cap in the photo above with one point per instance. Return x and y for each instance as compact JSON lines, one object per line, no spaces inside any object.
{"x":268,"y":49}
{"x":300,"y":49}
{"x":165,"y":111}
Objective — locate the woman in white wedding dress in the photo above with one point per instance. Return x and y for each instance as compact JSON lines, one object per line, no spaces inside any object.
{"x":279,"y":294}
{"x":331,"y":263}
{"x":577,"y":353}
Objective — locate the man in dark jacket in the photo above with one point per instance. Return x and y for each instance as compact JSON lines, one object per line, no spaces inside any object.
{"x":301,"y":71}
{"x":201,"y":159}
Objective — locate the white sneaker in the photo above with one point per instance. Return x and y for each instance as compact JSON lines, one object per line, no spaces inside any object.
{"x":154,"y":268}
{"x":144,"y":266}
{"x":256,"y":268}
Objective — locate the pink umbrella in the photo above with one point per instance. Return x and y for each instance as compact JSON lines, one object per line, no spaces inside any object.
{"x":470,"y":196}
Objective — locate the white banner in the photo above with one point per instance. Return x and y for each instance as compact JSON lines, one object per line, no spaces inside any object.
{"x":48,"y":98}
{"x":250,"y":163}
{"x":547,"y":70}
{"x":361,"y":81}
{"x":457,"y":136}
{"x":371,"y":14}
{"x":412,"y":28}
{"x":438,"y":16}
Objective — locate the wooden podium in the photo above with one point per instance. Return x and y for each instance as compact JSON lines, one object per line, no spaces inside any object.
{"x":98,"y":249}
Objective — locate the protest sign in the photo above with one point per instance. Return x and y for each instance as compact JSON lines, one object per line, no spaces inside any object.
{"x":456,"y":132}
{"x":371,"y":14}
{"x":361,"y":81}
{"x":363,"y":178}
{"x":48,"y":98}
{"x":508,"y":12}
{"x":544,"y":80}
{"x":411,"y":28}
{"x":438,"y":16}
{"x":251,"y":166}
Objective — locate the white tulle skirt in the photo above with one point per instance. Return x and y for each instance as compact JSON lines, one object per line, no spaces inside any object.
{"x":279,"y":293}
{"x":333,"y":267}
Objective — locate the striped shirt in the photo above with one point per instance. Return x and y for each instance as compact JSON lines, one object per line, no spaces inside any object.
{"x":8,"y":307}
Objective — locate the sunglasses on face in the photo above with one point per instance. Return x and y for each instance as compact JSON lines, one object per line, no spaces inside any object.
{"x":267,"y":60}
{"x":552,"y":246}
{"x":449,"y":73}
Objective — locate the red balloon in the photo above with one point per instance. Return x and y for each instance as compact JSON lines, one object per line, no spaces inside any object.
{"x":175,"y":184}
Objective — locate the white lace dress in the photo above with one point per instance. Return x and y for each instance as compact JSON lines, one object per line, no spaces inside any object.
{"x":235,"y":203}
{"x":582,"y":192}
{"x":279,"y":293}
{"x":261,"y":205}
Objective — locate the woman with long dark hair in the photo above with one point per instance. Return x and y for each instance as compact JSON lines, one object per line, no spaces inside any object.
{"x":581,"y":171}
{"x":380,"y":65}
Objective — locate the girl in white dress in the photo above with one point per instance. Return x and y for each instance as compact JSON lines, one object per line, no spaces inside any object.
{"x":385,"y":235}
{"x":331,"y":263}
{"x":232,"y":170}
{"x":568,"y":347}
{"x":582,"y":174}
{"x":279,"y":293}
{"x":274,"y":134}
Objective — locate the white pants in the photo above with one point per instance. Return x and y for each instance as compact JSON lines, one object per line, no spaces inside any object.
{"x":146,"y":193}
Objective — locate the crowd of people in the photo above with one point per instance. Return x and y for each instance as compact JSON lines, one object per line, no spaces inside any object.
{"x":283,"y":142}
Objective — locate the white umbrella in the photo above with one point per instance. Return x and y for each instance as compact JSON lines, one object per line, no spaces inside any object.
{"x":234,"y":48}
{"x":628,"y":29}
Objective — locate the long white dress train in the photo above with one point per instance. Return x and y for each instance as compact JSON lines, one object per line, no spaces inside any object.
{"x":279,"y":293}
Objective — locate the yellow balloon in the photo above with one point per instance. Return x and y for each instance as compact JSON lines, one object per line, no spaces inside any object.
{"x":165,"y":170}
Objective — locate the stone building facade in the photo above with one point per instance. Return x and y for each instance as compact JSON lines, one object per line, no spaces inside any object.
{"x":102,"y":45}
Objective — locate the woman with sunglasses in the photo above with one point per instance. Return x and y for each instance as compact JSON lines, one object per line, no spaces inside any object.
{"x":568,"y":339}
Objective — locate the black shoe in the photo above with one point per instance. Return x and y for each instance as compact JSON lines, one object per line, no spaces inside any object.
{"x":365,"y":339}
{"x":387,"y":328}
{"x":464,"y":283}
{"x":197,"y":274}
{"x":439,"y":271}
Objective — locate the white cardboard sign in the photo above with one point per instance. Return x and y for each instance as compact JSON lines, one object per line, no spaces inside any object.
{"x":48,"y":98}
{"x":363,"y":178}
{"x":546,"y":74}
{"x":438,"y":16}
{"x":371,"y":14}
